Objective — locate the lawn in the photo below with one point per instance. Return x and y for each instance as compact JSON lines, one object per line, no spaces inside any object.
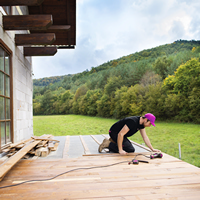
{"x":165,"y":136}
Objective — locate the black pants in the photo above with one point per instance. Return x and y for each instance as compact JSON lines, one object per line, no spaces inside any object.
{"x":126,"y":144}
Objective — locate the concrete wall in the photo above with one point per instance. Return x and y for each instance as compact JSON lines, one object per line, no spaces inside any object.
{"x":22,"y":82}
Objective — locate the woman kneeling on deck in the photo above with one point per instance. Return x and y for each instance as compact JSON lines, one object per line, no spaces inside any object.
{"x":119,"y":143}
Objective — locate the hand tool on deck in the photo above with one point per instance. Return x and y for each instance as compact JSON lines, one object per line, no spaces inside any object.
{"x":156,"y":155}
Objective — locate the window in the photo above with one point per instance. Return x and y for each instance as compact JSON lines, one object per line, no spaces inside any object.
{"x":5,"y":97}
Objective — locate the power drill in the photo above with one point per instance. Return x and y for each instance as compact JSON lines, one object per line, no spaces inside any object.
{"x":156,"y":155}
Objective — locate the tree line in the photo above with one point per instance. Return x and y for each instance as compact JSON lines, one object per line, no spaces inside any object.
{"x":164,"y":80}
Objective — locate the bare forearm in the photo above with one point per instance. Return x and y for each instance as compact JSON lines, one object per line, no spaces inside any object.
{"x":147,"y":142}
{"x":119,"y":141}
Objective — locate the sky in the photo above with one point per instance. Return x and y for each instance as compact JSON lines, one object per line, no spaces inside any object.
{"x":110,"y":29}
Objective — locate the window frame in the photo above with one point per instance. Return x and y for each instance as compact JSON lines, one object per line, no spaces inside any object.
{"x":10,"y":54}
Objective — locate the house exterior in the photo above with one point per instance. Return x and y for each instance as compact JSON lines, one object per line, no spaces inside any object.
{"x":28,"y":28}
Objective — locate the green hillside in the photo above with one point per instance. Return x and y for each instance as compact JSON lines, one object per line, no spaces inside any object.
{"x":123,"y":86}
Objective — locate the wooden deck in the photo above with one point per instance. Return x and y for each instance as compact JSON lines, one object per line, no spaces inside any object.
{"x":166,"y":178}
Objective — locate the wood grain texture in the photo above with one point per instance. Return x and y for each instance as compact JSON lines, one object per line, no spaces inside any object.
{"x":111,"y":178}
{"x":34,"y":39}
{"x":27,"y":22}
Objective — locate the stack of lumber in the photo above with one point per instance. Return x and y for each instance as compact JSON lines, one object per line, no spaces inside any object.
{"x":38,"y":146}
{"x":45,"y":144}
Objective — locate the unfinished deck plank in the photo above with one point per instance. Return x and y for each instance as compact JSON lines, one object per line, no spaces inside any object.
{"x":86,"y":149}
{"x":141,"y":146}
{"x":66,"y":147}
{"x":107,"y":137}
{"x":97,"y":141}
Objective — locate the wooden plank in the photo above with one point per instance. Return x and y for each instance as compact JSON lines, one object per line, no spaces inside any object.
{"x":62,"y":180}
{"x":58,"y":28}
{"x":5,"y":167}
{"x":8,"y":164}
{"x":42,"y":152}
{"x":40,"y":51}
{"x":117,"y":154}
{"x":66,"y":147}
{"x":166,"y":178}
{"x":19,"y":143}
{"x":27,"y":22}
{"x":34,"y":39}
{"x":50,"y":145}
{"x":141,"y":146}
{"x":47,"y":139}
{"x":91,"y":186}
{"x":20,"y":2}
{"x":97,"y":141}
{"x":55,"y":147}
{"x":5,"y":146}
{"x":86,"y":149}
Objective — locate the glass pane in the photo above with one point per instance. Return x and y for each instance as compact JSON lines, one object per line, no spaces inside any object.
{"x":1,"y":83}
{"x":1,"y":59}
{"x":8,"y":138}
{"x":2,"y":108}
{"x":7,"y":64}
{"x":7,"y":93}
{"x":7,"y":108}
{"x":3,"y":133}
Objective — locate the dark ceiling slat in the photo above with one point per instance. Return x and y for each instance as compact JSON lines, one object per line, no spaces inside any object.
{"x":40,"y":51}
{"x":27,"y":22}
{"x":55,"y":29}
{"x":61,"y":11}
{"x":20,"y":2}
{"x":59,"y":28}
{"x":34,"y":39}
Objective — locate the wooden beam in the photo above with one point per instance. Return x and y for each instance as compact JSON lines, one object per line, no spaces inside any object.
{"x":27,"y":22}
{"x":34,"y":39}
{"x":58,"y":28}
{"x":86,"y":149}
{"x":20,"y":2}
{"x":54,"y":29}
{"x":40,"y":51}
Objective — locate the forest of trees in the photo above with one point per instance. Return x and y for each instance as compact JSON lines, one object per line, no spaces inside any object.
{"x":164,"y":81}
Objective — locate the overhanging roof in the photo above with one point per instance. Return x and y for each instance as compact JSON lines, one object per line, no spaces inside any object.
{"x":64,"y":14}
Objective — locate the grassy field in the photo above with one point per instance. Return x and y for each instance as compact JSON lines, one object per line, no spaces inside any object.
{"x":165,"y":136}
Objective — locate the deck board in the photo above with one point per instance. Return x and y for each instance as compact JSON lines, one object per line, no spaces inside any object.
{"x":166,"y":178}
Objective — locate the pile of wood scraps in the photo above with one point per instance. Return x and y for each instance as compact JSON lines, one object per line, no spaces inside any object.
{"x":42,"y":149}
{"x":36,"y":146}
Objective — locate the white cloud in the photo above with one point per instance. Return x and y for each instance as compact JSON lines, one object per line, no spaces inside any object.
{"x":109,"y":29}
